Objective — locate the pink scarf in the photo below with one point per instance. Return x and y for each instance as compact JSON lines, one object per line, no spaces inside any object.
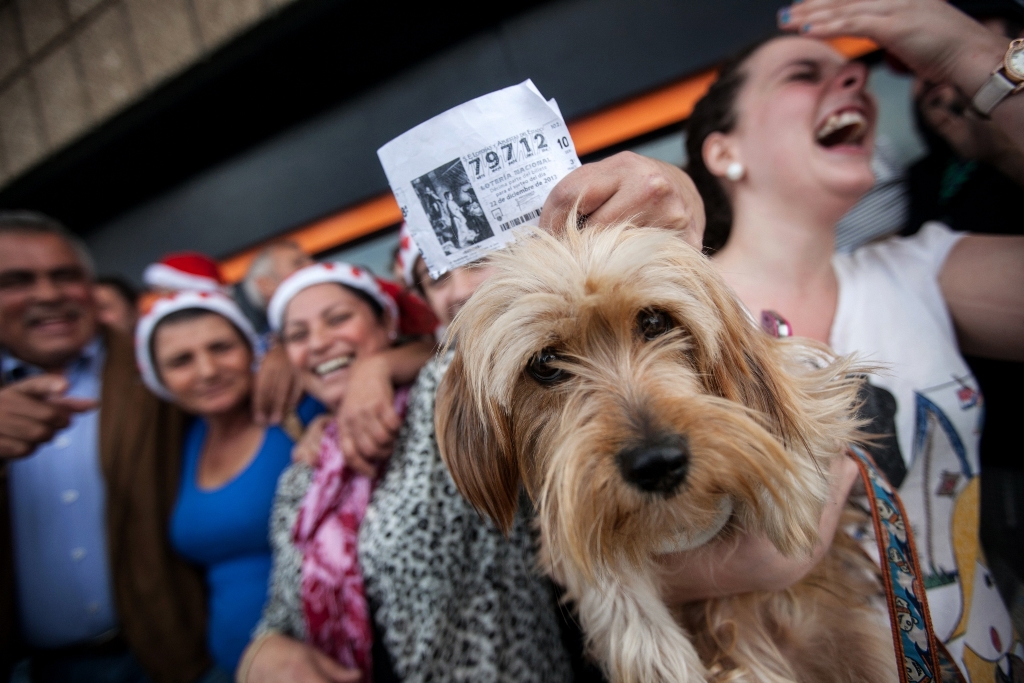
{"x":327,"y":534}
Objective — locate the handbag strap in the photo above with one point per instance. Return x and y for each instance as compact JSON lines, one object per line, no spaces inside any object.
{"x":920,"y":656}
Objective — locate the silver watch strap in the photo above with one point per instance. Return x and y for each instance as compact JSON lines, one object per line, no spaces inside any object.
{"x":992,"y":92}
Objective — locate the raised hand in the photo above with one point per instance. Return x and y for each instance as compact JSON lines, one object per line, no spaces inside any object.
{"x":935,"y":40}
{"x":367,"y":422}
{"x":625,"y":185}
{"x":33,"y":410}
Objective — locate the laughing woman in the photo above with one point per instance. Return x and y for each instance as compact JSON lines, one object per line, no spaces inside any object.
{"x":780,"y":149}
{"x":196,"y":350}
{"x":317,"y":625}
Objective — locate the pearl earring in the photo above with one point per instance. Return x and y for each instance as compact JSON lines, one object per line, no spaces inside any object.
{"x":734,"y":171}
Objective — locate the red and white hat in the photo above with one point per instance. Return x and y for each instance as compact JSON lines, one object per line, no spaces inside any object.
{"x":319,"y":273}
{"x":407,"y":253}
{"x":184,"y":270}
{"x":211,"y":301}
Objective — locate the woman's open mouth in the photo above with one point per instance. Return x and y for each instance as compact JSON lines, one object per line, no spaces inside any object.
{"x":334,"y":364}
{"x":844,"y":127}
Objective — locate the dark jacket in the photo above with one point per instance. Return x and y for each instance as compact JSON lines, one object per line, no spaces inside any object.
{"x":159,"y":598}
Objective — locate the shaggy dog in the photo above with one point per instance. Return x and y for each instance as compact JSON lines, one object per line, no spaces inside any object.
{"x":612,"y":372}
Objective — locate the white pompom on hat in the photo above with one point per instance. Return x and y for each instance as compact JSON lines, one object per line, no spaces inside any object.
{"x":214,"y":302}
{"x":408,"y":251}
{"x":340,"y":273}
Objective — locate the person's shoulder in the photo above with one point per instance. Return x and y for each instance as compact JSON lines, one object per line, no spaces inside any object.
{"x":431,"y":374}
{"x":919,"y":255}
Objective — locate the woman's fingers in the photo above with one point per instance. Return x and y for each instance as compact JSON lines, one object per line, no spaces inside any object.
{"x":373,"y":438}
{"x":930,"y":36}
{"x":360,"y":464}
{"x":868,"y":18}
{"x":628,"y":185}
{"x":389,"y":419}
{"x":367,"y":423}
{"x":354,"y":446}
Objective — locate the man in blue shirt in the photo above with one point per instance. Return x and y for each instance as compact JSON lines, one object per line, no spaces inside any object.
{"x":89,"y":588}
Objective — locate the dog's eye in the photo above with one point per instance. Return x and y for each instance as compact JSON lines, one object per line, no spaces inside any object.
{"x":653,"y":323}
{"x":540,"y":368}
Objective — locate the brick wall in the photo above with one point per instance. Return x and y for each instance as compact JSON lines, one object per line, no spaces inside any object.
{"x":68,"y":65}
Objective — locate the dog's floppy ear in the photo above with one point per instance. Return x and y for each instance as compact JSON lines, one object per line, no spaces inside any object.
{"x":746,"y":371}
{"x":476,"y":448}
{"x":806,"y":395}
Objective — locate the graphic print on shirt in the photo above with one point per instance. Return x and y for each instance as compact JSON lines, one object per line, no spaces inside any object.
{"x":878,"y":407}
{"x":942,"y":491}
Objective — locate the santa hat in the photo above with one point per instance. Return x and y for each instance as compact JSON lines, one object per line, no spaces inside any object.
{"x":342,"y":273}
{"x":184,"y":270}
{"x":407,"y":253}
{"x":414,"y":315}
{"x":210,"y":301}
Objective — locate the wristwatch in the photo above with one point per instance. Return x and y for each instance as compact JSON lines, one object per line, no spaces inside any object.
{"x":1006,"y":79}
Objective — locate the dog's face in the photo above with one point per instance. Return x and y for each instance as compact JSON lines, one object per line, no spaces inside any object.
{"x":612,"y":372}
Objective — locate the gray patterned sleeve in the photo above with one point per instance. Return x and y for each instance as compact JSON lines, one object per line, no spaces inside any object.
{"x":282,"y":612}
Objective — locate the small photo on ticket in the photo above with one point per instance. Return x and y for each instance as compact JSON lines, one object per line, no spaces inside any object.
{"x":450,"y":203}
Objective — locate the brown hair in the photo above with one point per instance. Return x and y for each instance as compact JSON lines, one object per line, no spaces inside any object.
{"x":715,"y":112}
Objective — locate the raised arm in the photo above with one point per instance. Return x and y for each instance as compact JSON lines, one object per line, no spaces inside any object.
{"x":983,"y":284}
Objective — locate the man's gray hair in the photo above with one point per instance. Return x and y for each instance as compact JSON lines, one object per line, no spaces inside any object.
{"x":33,"y":222}
{"x":262,"y":266}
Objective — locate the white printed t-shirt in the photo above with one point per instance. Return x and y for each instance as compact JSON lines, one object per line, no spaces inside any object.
{"x":891,"y":313}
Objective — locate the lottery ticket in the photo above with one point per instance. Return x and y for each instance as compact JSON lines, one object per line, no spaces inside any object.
{"x":466,"y":178}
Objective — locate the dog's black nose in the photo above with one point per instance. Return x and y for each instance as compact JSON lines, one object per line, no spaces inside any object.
{"x":659,"y":466}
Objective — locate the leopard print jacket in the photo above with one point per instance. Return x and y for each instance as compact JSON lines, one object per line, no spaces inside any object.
{"x":454,"y":598}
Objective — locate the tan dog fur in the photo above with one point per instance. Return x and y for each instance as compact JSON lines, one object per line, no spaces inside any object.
{"x":761,"y":417}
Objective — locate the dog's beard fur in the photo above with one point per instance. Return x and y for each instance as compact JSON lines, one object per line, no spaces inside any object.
{"x":760,"y":420}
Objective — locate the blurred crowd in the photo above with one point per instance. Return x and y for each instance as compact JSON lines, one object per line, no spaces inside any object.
{"x":206,"y":481}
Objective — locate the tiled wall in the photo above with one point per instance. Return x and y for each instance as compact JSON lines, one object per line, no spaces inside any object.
{"x":67,"y":65}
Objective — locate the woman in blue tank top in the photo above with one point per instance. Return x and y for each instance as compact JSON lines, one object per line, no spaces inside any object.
{"x":197,"y":351}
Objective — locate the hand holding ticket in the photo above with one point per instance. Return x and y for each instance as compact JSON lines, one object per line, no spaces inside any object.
{"x":466,"y":177}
